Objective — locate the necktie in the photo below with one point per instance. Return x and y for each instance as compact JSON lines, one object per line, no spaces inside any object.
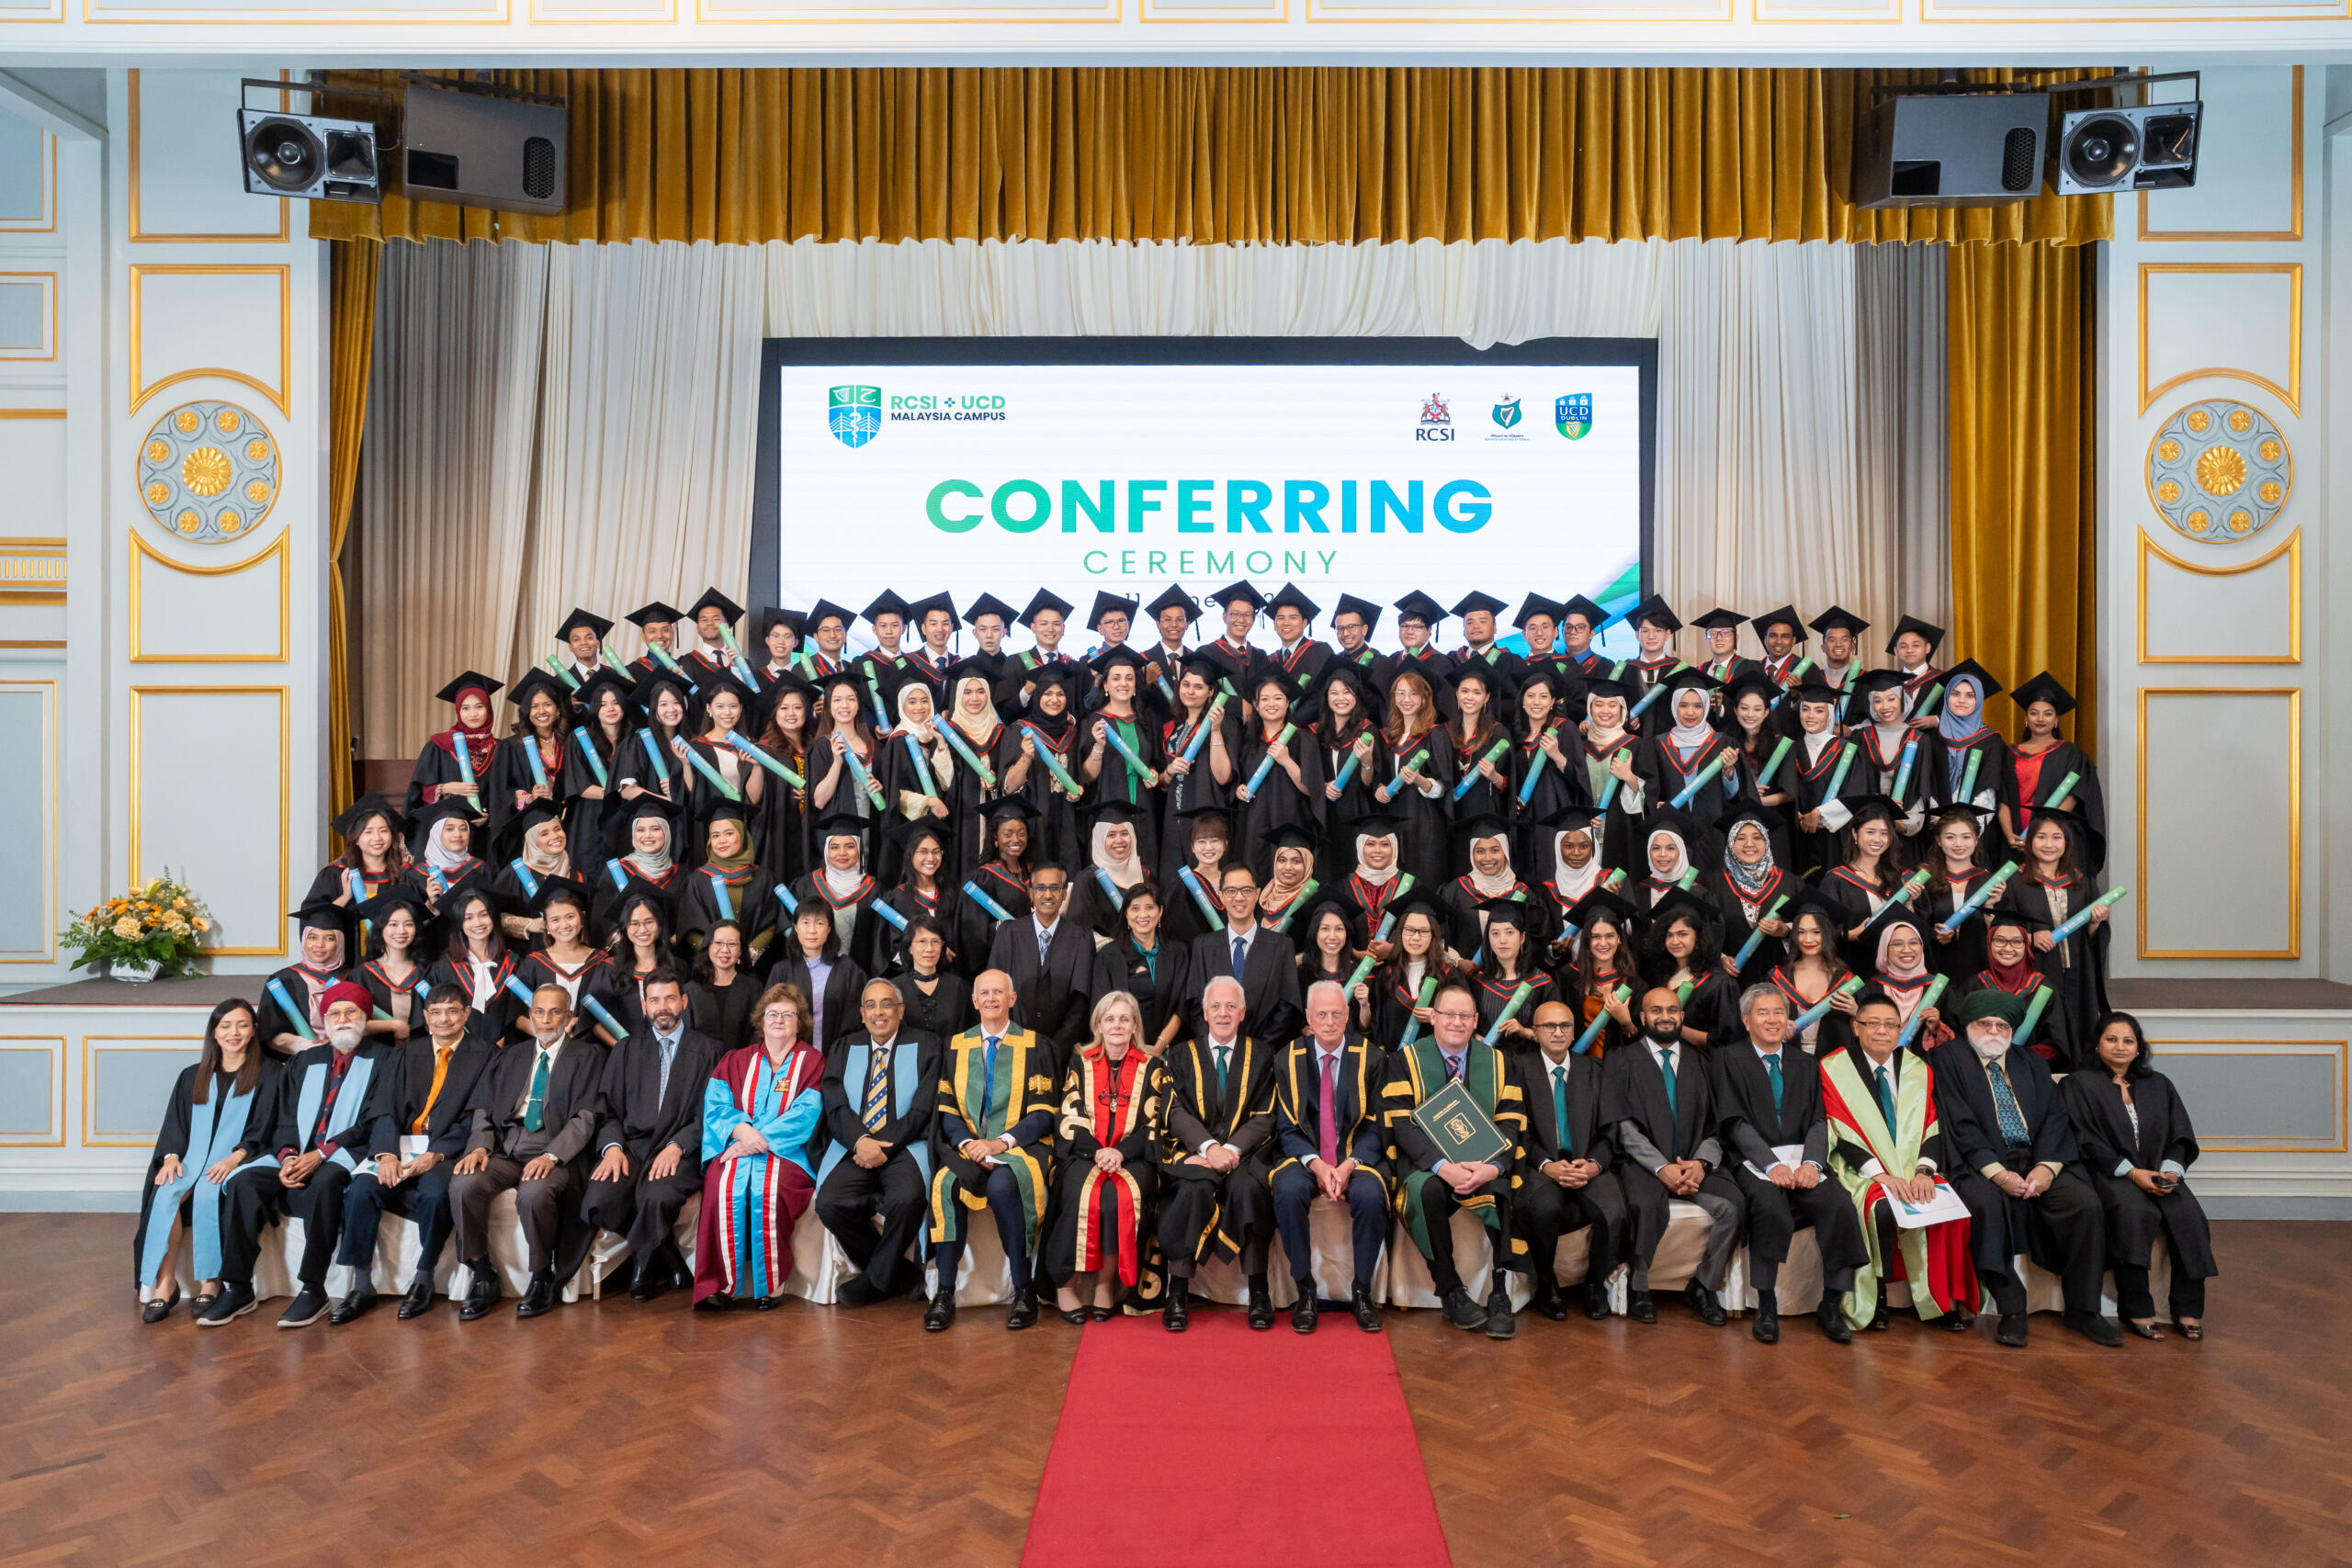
{"x":668,"y":1049}
{"x":1224,"y":1053}
{"x":1885,"y":1097}
{"x":1560,"y":1110}
{"x":441,"y":1054}
{"x":1673,"y":1115}
{"x":1452,"y":1069}
{"x":1773,"y":1071}
{"x":988,"y":1086}
{"x":1327,"y":1114}
{"x":535,"y":1109}
{"x":1241,"y":956}
{"x":2005,"y":1106}
{"x":1044,"y":941}
{"x":877,"y":1090}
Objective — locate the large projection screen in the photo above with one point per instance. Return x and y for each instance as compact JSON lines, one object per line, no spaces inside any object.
{"x":1370,"y":466}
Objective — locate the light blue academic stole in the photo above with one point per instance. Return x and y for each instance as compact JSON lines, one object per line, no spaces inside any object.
{"x":855,"y":1069}
{"x":352,"y":1091}
{"x":214,"y":1128}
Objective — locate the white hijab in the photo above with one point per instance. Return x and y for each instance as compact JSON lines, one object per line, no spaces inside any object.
{"x":1682,"y":855}
{"x":926,"y":734}
{"x":654,"y":863}
{"x":1574,"y":885}
{"x":538,"y":860}
{"x":1123,"y":873}
{"x":1502,"y":882}
{"x":439,"y":856}
{"x":1375,"y":878}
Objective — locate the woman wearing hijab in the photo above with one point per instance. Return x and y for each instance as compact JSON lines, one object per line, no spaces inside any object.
{"x":1601,"y":979}
{"x":1023,"y":769}
{"x":1350,"y":744}
{"x":971,"y":712}
{"x":1683,"y":953}
{"x":1680,"y":752}
{"x":1284,"y":896}
{"x":938,"y":1000}
{"x":199,"y":1147}
{"x":2009,"y":966}
{"x":641,"y":840}
{"x":847,"y":891}
{"x":1291,"y":793}
{"x":542,"y":714}
{"x":1812,"y":970}
{"x":1114,"y":867}
{"x":1490,"y":877}
{"x":1205,"y":780}
{"x":2050,"y":888}
{"x":445,"y":863}
{"x":725,"y":704}
{"x":1885,"y":739}
{"x":1747,"y":886}
{"x":324,"y":936}
{"x":1976,"y":759}
{"x":1417,"y":768}
{"x":1673,"y":849}
{"x":478,"y":962}
{"x":2135,"y":1135}
{"x":1955,"y":858}
{"x":1901,"y":971}
{"x":1146,"y":963}
{"x":783,"y":821}
{"x":2041,"y":763}
{"x":1513,"y":941}
{"x":1573,"y":855}
{"x":1368,"y":892}
{"x":375,"y":855}
{"x":1103,"y":769}
{"x":729,"y":885}
{"x":1399,"y":991}
{"x":545,"y":860}
{"x":592,"y":756}
{"x":1820,"y":806}
{"x":916,"y":792}
{"x":439,"y":769}
{"x":1481,"y":694}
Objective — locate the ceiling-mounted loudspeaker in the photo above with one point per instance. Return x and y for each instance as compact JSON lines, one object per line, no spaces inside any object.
{"x":1950,"y":150}
{"x":308,"y":157}
{"x":2143,"y":147}
{"x":478,"y":145}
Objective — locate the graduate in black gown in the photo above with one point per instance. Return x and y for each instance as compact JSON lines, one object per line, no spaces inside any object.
{"x":840,"y":883}
{"x":649,"y":764}
{"x":1751,"y":888}
{"x":1110,"y":776}
{"x":1824,"y":774}
{"x":1189,"y":906}
{"x":400,"y":946}
{"x":458,"y":759}
{"x":1975,"y":757}
{"x":726,"y":707}
{"x":1513,"y":949}
{"x":972,"y":729}
{"x":1368,"y":890}
{"x":1603,"y":977}
{"x":289,"y":1017}
{"x":782,"y":827}
{"x":1199,"y":738}
{"x":1954,"y":857}
{"x":642,"y":924}
{"x":1289,"y":792}
{"x":1482,"y":698}
{"x":1682,"y":743}
{"x":2012,"y":966}
{"x":1046,"y":737}
{"x":1569,"y":867}
{"x":442,"y":841}
{"x":1145,"y":962}
{"x":529,"y":768}
{"x":591,"y":754}
{"x":1613,"y":752}
{"x":641,"y":851}
{"x":375,"y":855}
{"x":1490,"y":876}
{"x":1546,"y":745}
{"x":999,"y":890}
{"x":1417,"y":776}
{"x":1683,"y":953}
{"x":1113,"y":868}
{"x":1348,"y":739}
{"x":2042,"y":762}
{"x":719,"y":996}
{"x":729,"y":885}
{"x":2050,"y":888}
{"x":233,"y":1080}
{"x":477,"y":961}
{"x":917,"y":770}
{"x":921,"y":894}
{"x":1397,"y":994}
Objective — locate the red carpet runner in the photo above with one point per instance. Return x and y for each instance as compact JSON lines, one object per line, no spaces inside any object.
{"x":1221,"y":1446}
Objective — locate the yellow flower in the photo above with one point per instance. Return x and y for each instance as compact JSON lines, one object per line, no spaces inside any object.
{"x":202,"y":924}
{"x":127,"y":929}
{"x":179,"y":903}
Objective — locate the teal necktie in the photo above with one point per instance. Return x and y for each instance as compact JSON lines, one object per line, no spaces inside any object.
{"x":534,"y":1107}
{"x":1885,"y":1097}
{"x":1560,"y":1110}
{"x":1772,"y":1070}
{"x":2005,"y":1106}
{"x":1223,"y":1051}
{"x":1673,"y":1114}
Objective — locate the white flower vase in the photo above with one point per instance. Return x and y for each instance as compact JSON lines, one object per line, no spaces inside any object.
{"x":136,"y":970}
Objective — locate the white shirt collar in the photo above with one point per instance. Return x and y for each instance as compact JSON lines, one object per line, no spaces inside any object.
{"x":1330,"y":1051}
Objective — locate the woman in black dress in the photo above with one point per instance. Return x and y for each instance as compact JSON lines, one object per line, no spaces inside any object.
{"x":1023,"y":769}
{"x":938,"y":1000}
{"x":720,"y":997}
{"x":1149,"y":965}
{"x":592,"y":756}
{"x":1350,"y":744}
{"x":539,"y":737}
{"x":1206,"y":779}
{"x":641,"y":945}
{"x":1514,"y":939}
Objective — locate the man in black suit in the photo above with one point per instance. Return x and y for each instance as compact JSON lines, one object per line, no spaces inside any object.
{"x":649,"y":1132}
{"x":1770,"y":1101}
{"x":2015,"y":1163}
{"x":532,"y":1124}
{"x":1051,"y":961}
{"x":1567,"y":1185}
{"x":880,"y":1088}
{"x":422,"y":1111}
{"x":1328,"y":1121}
{"x":1219,"y":1146}
{"x":1262,"y":959}
{"x":1661,"y":1110}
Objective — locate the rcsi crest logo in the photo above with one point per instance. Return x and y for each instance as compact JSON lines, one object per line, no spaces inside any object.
{"x":1436,"y":421}
{"x":853,"y":414}
{"x":1573,"y":414}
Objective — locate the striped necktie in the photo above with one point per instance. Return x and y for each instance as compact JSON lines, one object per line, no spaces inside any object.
{"x":877,"y":1088}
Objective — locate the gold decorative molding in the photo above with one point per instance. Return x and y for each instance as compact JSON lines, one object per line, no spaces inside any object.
{"x":2217,"y":472}
{"x":2339,"y":1049}
{"x":32,"y":413}
{"x":138,"y":235}
{"x":2294,"y":948}
{"x":142,"y":551}
{"x":2291,"y":394}
{"x":2291,"y":547}
{"x":52,"y":809}
{"x":1763,"y":13}
{"x":188,"y":1046}
{"x":54,"y":1047}
{"x":141,"y":390}
{"x":32,"y":571}
{"x":342,"y":19}
{"x":46,"y":349}
{"x":1150,"y":11}
{"x":2294,"y":229}
{"x":285,"y":793}
{"x":543,"y":17}
{"x":46,"y":223}
{"x":208,"y":472}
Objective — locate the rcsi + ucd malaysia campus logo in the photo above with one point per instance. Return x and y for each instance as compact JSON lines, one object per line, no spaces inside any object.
{"x":1573,"y":414}
{"x":853,"y":414}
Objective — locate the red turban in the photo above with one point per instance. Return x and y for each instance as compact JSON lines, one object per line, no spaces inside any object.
{"x":346,"y":991}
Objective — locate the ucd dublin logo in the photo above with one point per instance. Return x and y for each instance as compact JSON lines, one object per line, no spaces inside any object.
{"x":853,"y":414}
{"x":1507,"y":412}
{"x":1573,"y":414}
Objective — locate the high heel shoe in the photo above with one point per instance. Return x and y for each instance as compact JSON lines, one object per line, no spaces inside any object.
{"x":1101,"y":1313}
{"x":157,"y":1310}
{"x":1076,"y":1316}
{"x":2144,"y":1330}
{"x":2190,"y":1330}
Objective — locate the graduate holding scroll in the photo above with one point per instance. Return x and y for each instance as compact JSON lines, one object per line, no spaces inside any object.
{"x":1416,"y":765}
{"x":2041,"y":763}
{"x":290,"y":1016}
{"x":1119,"y":752}
{"x":1885,"y":740}
{"x":458,"y":759}
{"x":594,"y":753}
{"x":1415,"y":965}
{"x":1976,"y":760}
{"x":1814,"y":977}
{"x":1198,"y":772}
{"x":841,"y":886}
{"x":1286,"y":764}
{"x":1347,"y":738}
{"x":1683,"y":953}
{"x":1569,"y":865}
{"x":1036,"y":758}
{"x":2051,"y":887}
{"x":842,"y":753}
{"x":1481,"y":746}
{"x":729,"y":885}
{"x":969,"y":711}
{"x":920,"y":893}
{"x":781,"y":826}
{"x":1747,"y":883}
{"x":529,"y":768}
{"x":727,"y":708}
{"x":1114,"y":854}
{"x":1546,"y":777}
{"x":1599,"y":975}
{"x":1824,"y":775}
{"x":201,"y":1142}
{"x":1514,"y":940}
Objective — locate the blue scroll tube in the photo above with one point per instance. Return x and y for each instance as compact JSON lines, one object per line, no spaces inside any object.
{"x":1599,"y":1021}
{"x":620,"y":877}
{"x":1201,"y":896}
{"x":2082,"y":917}
{"x":693,"y":757}
{"x":1413,"y":1029}
{"x":1927,"y":998}
{"x":296,"y":1016}
{"x":863,"y":780}
{"x":1470,"y":775}
{"x":1534,"y":771}
{"x":465,"y":754}
{"x":588,"y":751}
{"x":791,"y":905}
{"x":988,"y":906}
{"x":743,"y":666}
{"x":873,"y":690}
{"x":1110,"y":888}
{"x":1700,"y":780}
{"x":746,"y":747}
{"x":923,"y":767}
{"x":897,"y":922}
{"x":1976,"y":900}
{"x":1119,"y":744}
{"x":1510,"y":1010}
{"x":1266,"y":763}
{"x":1903,"y":768}
{"x":530,"y":744}
{"x":1756,"y":938}
{"x":726,"y":900}
{"x":1202,"y":727}
{"x":562,"y":672}
{"x":661,"y":768}
{"x":1347,"y":771}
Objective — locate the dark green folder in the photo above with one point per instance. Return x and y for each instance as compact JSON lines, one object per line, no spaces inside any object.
{"x":1462,"y":1131}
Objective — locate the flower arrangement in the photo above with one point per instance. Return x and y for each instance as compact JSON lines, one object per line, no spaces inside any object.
{"x":162,"y":924}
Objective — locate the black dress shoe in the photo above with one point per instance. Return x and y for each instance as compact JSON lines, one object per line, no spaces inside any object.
{"x":1959,"y":1322}
{"x":1595,"y":1300}
{"x":1766,"y":1325}
{"x":1075,"y":1316}
{"x":767,"y":1303}
{"x":1302,"y":1311}
{"x":681,"y":1277}
{"x":2095,"y":1326}
{"x":419,"y":1299}
{"x":309,"y":1305}
{"x":1462,"y":1311}
{"x":1831,"y":1316}
{"x":647,"y":1275}
{"x":1177,"y":1316}
{"x":1367,"y":1314}
{"x":160,"y":1308}
{"x":481,"y":1292}
{"x":717,"y":1301}
{"x":1701,"y":1300}
{"x":232,"y":1302}
{"x":1262,"y":1306}
{"x":858,"y":1291}
{"x":1639,"y":1307}
{"x":1023,"y":1312}
{"x":1881,"y":1320}
{"x":351,"y":1309}
{"x":940,"y":1314}
{"x":540,"y":1299}
{"x":1500,"y":1324}
{"x":1549,"y":1304}
{"x":2010,"y":1330}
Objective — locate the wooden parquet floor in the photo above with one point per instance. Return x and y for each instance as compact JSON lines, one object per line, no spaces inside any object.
{"x":611,"y":1433}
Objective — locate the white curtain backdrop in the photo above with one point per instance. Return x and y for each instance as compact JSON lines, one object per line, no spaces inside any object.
{"x":1905,"y":471}
{"x":552,"y":425}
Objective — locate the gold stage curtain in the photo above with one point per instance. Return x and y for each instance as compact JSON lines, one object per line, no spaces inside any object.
{"x":2022,"y":359}
{"x":1211,"y":155}
{"x":351,"y":348}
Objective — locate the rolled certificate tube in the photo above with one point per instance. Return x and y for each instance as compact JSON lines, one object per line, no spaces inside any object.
{"x":562,"y":673}
{"x":694,"y":760}
{"x":1797,"y":670}
{"x":530,"y":744}
{"x":1682,"y":992}
{"x":1599,"y":1021}
{"x":1689,"y":876}
{"x":957,"y":744}
{"x":1388,"y":925}
{"x":588,"y":752}
{"x":356,"y":886}
{"x":2034,"y":1010}
{"x":791,"y":905}
{"x":1772,"y":763}
{"x":661,"y":657}
{"x":1413,"y":763}
{"x":1305,"y":893}
{"x":1820,"y":1010}
{"x":1756,"y":938}
{"x":1977,"y":899}
{"x":1472,"y":775}
{"x":1110,"y":888}
{"x":1845,"y":749}
{"x":661,"y":768}
{"x":873,"y":690}
{"x":1266,"y":763}
{"x":296,"y":1016}
{"x":465,"y":754}
{"x":1119,"y":744}
{"x":863,"y":780}
{"x":1053,"y":761}
{"x":1510,"y":1010}
{"x":521,"y":992}
{"x":2082,"y":917}
{"x":743,"y":665}
{"x":1167,"y":691}
{"x":2065,"y":787}
{"x":1911,"y":885}
{"x":1935,"y":695}
{"x":1202,"y":727}
{"x":1413,"y":1026}
{"x":1930,"y":998}
{"x":1700,"y":779}
{"x":719,"y":891}
{"x":988,"y":906}
{"x":898,"y":921}
{"x":1653,"y":694}
{"x":620,"y":877}
{"x":1609,"y":794}
{"x":1968,"y":776}
{"x":1615,"y":880}
{"x":380,"y":1015}
{"x":1356,"y":976}
{"x":596,"y":1010}
{"x":735,"y":739}
{"x":923,"y":767}
{"x":1534,"y":771}
{"x":1903,"y":768}
{"x":1347,"y":771}
{"x":1201,"y":896}
{"x":611,"y":659}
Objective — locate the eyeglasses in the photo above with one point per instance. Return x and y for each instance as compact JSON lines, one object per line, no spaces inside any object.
{"x":1876,"y":1023}
{"x":1457,"y":1017}
{"x":1563,"y":1024}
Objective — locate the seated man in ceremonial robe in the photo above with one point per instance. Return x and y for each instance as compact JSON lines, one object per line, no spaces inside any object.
{"x":1214,"y":1198}
{"x":1329,"y":1120}
{"x":1660,"y":1107}
{"x":992,"y":1147}
{"x":1567,"y":1184}
{"x":880,"y":1095}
